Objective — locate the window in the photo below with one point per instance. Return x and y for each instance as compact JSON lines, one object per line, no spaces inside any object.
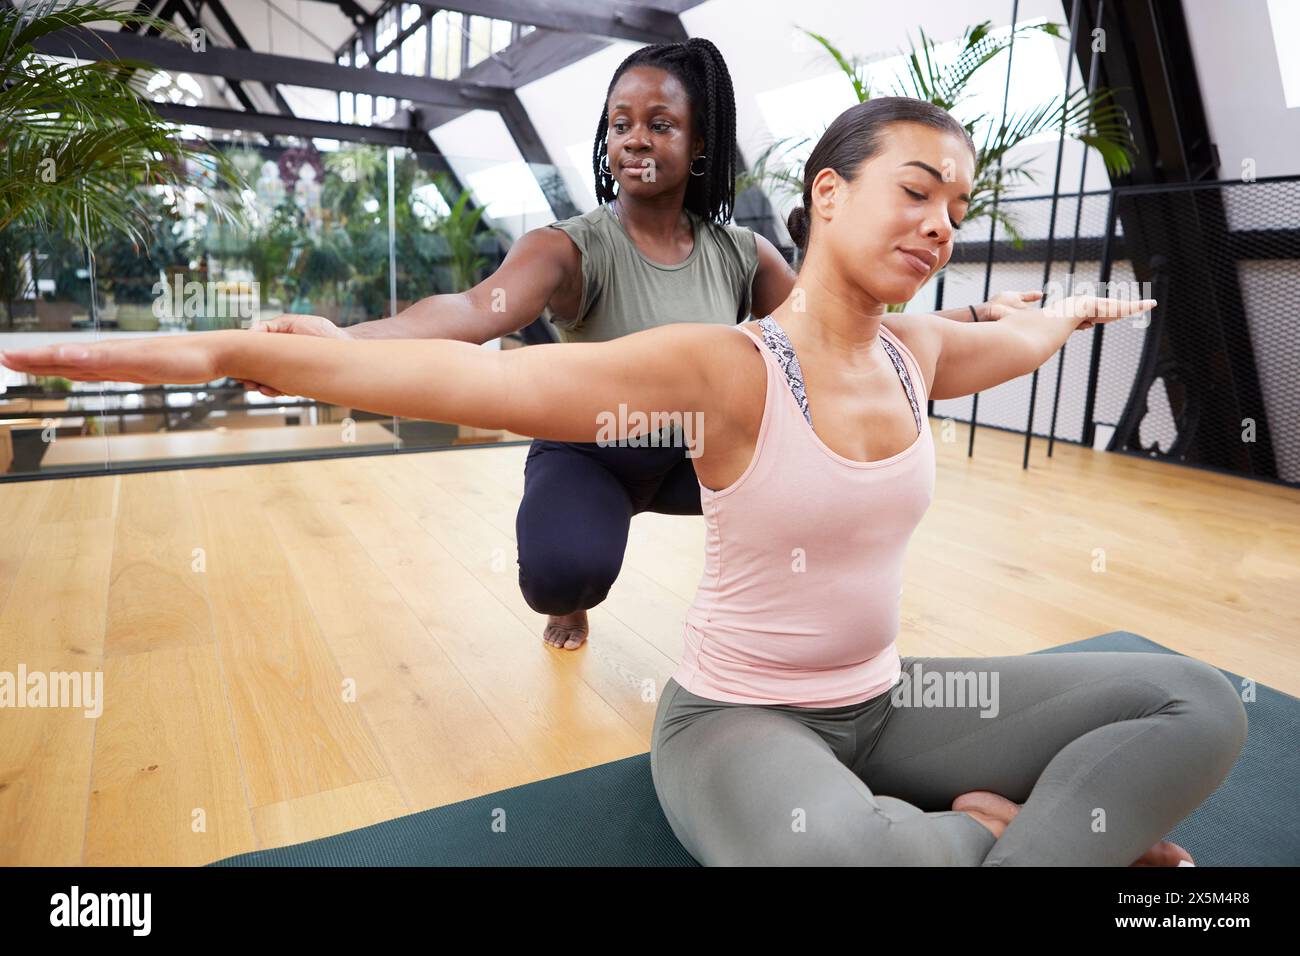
{"x":388,"y":62}
{"x":438,"y":67}
{"x":386,"y":30}
{"x":502,"y":31}
{"x":455,"y":41}
{"x":410,"y":13}
{"x":480,"y":40}
{"x":413,"y":52}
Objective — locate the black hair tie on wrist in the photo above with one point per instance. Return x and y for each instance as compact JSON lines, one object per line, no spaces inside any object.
{"x":975,"y":316}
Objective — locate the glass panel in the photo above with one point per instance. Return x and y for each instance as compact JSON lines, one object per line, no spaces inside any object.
{"x":386,"y":30}
{"x":455,"y":40}
{"x":414,"y":49}
{"x":316,"y":242}
{"x":440,"y":34}
{"x":501,"y":33}
{"x":480,"y":40}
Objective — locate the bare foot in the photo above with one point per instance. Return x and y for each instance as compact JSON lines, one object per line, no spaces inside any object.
{"x":996,"y":811}
{"x":567,"y":631}
{"x":1163,"y":853}
{"x":993,"y":810}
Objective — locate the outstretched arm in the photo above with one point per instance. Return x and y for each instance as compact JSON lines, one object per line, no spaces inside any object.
{"x":970,"y":357}
{"x":564,"y":392}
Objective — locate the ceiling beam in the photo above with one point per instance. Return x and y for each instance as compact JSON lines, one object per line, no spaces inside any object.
{"x":638,"y":22}
{"x":236,"y":36}
{"x":532,"y":57}
{"x":269,"y":68}
{"x":272,"y":124}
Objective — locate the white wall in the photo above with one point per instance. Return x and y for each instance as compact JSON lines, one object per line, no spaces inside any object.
{"x":1241,"y":83}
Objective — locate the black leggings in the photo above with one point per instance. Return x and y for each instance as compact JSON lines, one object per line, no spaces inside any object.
{"x":579,"y":499}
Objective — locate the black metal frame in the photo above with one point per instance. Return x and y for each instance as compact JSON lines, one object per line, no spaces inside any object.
{"x":641,"y":23}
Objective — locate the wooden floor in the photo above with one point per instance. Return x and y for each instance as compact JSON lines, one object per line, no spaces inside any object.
{"x":293,"y":650}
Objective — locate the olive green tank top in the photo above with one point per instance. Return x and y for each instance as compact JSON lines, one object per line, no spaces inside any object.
{"x":624,"y":292}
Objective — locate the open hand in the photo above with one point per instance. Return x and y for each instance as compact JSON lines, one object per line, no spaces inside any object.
{"x":1092,"y":310}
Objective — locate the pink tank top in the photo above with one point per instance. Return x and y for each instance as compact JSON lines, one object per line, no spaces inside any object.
{"x":799,"y":600}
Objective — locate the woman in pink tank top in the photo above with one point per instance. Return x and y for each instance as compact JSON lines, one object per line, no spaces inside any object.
{"x":782,"y":736}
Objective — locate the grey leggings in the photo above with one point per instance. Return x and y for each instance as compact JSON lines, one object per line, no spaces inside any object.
{"x":1106,"y":752}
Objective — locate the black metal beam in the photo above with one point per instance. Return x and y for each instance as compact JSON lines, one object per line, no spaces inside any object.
{"x":142,"y":8}
{"x":622,"y":21}
{"x":1148,"y":62}
{"x":168,"y":10}
{"x":237,"y":38}
{"x":269,"y":68}
{"x":402,"y":36}
{"x":354,"y":12}
{"x":274,"y":124}
{"x":532,"y":57}
{"x":191,"y":17}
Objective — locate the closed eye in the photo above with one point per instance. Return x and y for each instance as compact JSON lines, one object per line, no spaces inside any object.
{"x":916,"y":195}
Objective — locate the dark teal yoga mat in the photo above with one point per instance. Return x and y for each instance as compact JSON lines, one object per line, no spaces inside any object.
{"x":609,"y":815}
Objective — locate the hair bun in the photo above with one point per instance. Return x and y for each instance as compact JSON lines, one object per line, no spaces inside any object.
{"x":797,"y":225}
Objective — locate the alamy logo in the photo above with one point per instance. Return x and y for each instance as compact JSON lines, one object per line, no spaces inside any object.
{"x":55,"y":689}
{"x":215,"y":300}
{"x":947,"y":688}
{"x":687,"y":429}
{"x":102,"y":909}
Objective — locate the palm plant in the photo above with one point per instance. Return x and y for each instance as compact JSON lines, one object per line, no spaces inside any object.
{"x":1091,"y":117}
{"x":460,"y":229}
{"x":80,"y":141}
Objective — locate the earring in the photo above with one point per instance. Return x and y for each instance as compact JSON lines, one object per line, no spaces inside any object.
{"x":604,"y":164}
{"x":692,"y":167}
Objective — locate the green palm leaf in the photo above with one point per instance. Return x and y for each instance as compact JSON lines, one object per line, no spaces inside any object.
{"x":78,"y":141}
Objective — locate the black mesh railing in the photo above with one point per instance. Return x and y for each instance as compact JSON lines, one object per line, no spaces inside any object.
{"x":1211,"y":377}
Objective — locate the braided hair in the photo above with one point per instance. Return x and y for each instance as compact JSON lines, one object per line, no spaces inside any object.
{"x":700,"y":68}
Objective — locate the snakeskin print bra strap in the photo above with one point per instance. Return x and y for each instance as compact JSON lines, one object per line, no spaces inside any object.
{"x":778,"y":342}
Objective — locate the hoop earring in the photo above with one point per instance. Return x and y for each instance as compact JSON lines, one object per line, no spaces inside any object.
{"x":604,"y":164}
{"x":692,"y":166}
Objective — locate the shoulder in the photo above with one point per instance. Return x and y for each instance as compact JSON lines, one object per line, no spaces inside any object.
{"x":769,"y":256}
{"x":553,"y":245}
{"x":921,"y":333}
{"x":586,"y":231}
{"x":713,"y":349}
{"x":740,"y":241}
